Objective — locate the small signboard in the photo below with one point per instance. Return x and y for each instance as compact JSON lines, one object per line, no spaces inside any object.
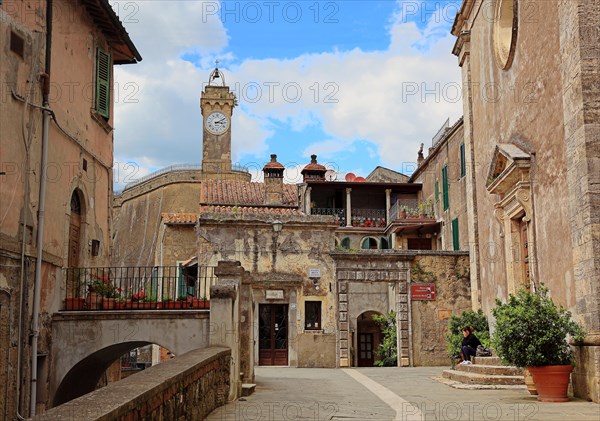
{"x":444,"y":314}
{"x":314,"y":273}
{"x":422,"y":292}
{"x":274,"y":294}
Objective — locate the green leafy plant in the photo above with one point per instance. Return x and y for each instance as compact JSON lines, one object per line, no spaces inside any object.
{"x":103,"y":286}
{"x":421,"y":275}
{"x":388,"y":348}
{"x":531,"y":330}
{"x":456,"y":323}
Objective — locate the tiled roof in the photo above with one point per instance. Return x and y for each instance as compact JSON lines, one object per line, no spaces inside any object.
{"x":250,"y":210}
{"x":241,"y":193}
{"x":179,"y":218}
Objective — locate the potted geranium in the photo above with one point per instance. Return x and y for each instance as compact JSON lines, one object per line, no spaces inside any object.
{"x":531,"y":332}
{"x":102,"y":292}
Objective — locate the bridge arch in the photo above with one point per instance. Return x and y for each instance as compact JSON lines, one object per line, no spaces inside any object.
{"x":87,"y":344}
{"x":84,"y":375}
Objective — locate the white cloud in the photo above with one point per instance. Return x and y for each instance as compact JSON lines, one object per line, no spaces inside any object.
{"x":392,"y":98}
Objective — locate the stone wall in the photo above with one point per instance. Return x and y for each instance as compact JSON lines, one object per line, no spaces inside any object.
{"x":429,"y":318}
{"x":188,"y":387}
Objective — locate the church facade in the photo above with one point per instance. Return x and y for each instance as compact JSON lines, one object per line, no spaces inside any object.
{"x":531,"y":135}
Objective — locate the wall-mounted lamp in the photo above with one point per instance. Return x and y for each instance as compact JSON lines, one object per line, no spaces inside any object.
{"x":277,"y":225}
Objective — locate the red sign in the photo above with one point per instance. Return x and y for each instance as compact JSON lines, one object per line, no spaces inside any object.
{"x":422,"y":292}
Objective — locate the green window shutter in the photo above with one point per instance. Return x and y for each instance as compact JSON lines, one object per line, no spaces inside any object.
{"x":445,"y":197}
{"x":345,"y":243}
{"x":463,"y":163}
{"x":103,"y":64}
{"x":437,"y":191}
{"x":365,"y":244}
{"x":455,"y":237}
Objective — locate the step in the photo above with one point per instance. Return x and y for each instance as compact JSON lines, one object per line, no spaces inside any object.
{"x":487,"y":360}
{"x":476,"y":378}
{"x":490,"y":370}
{"x":248,"y":389}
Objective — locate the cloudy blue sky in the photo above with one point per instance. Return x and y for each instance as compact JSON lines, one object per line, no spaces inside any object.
{"x":359,"y":83}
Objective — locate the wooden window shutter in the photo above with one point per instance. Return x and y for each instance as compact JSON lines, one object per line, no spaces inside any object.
{"x":103,"y":65}
{"x":455,"y":237}
{"x":463,"y":161}
{"x":445,"y":187}
{"x":437,"y":191}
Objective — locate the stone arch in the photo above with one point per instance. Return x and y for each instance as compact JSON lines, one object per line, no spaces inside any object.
{"x":368,"y":338}
{"x":84,"y":375}
{"x":368,"y":243}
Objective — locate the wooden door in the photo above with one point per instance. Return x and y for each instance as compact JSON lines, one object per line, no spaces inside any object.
{"x":74,"y":232}
{"x":273,"y":334}
{"x":366,"y":356}
{"x":524,"y":252}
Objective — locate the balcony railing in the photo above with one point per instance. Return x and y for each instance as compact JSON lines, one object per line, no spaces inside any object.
{"x":138,"y":288}
{"x":423,"y":211}
{"x":360,"y":217}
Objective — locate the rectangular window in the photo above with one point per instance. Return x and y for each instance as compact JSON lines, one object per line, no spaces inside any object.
{"x":103,"y":66}
{"x":312,"y":315}
{"x":455,"y":237}
{"x":445,"y":197}
{"x":437,"y":191}
{"x":463,"y":162}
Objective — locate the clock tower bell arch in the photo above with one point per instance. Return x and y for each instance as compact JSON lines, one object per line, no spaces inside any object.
{"x":216,"y":104}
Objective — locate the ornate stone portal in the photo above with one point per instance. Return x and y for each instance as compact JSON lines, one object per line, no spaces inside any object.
{"x":509,"y":178}
{"x":373,"y":283}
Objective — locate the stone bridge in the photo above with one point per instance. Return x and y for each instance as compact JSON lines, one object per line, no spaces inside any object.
{"x":85,"y":344}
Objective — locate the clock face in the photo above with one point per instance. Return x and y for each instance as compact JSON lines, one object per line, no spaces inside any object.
{"x":217,"y":123}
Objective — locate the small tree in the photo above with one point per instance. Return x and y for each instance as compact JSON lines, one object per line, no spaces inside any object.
{"x":388,"y":349}
{"x":532,"y":331}
{"x":467,"y":318}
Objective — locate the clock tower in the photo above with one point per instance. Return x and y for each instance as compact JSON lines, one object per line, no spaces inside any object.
{"x":216,"y":104}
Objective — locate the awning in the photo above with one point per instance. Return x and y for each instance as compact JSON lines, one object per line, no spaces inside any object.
{"x":422,"y":227}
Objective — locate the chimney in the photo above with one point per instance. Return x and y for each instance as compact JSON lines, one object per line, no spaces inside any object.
{"x":314,"y":171}
{"x":273,"y":172}
{"x":420,"y":158}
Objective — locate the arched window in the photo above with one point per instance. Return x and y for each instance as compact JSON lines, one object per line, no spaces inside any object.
{"x":369,"y":243}
{"x":383,"y":243}
{"x":345,"y":244}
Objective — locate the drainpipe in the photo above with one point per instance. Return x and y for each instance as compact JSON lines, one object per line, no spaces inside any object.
{"x":41,"y":208}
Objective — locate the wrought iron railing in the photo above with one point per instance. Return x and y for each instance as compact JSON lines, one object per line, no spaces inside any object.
{"x":368,"y":218}
{"x":138,"y":288}
{"x":177,"y":167}
{"x":401,"y":211}
{"x":338,"y":213}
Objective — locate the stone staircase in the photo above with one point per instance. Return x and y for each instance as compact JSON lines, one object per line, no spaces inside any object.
{"x":485,"y":373}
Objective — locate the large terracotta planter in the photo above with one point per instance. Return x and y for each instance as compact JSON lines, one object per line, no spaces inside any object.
{"x":93,"y":300}
{"x":108,"y":303}
{"x":552,"y":382}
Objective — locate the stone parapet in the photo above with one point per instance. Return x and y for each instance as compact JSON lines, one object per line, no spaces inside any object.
{"x":187,"y":387}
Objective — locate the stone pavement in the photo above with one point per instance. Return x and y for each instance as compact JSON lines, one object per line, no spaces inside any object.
{"x":320,"y":394}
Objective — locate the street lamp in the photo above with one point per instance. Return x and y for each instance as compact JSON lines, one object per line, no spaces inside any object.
{"x":277,"y":225}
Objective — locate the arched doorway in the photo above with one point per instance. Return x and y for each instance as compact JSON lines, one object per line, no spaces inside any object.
{"x":367,"y":339}
{"x":75,"y":221}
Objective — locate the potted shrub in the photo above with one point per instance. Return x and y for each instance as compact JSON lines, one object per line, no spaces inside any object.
{"x":531,"y":332}
{"x":455,"y":325}
{"x":402,"y":212}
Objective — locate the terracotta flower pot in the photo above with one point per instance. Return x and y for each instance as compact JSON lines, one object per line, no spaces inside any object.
{"x":108,"y":303}
{"x":74,"y":303}
{"x":552,"y":382}
{"x":93,"y":300}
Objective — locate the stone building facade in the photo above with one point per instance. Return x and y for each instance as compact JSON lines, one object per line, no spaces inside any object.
{"x":58,"y":55}
{"x":531,"y":133}
{"x":443,"y":177}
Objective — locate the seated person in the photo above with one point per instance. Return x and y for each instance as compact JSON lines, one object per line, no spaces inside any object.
{"x":469,"y":345}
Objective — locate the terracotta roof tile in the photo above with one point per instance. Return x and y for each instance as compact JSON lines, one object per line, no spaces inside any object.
{"x":241,"y":193}
{"x":179,"y":218}
{"x":250,"y":210}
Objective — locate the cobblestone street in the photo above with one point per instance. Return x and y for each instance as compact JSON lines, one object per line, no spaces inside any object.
{"x":386,"y":394}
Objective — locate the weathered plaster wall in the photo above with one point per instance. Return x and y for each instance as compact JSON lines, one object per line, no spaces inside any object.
{"x":277,"y":262}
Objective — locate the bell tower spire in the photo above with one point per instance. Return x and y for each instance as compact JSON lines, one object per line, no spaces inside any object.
{"x":216,"y":104}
